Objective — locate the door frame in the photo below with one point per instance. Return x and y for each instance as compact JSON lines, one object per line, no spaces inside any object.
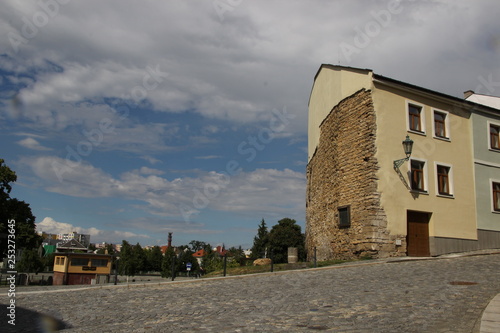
{"x":421,"y":249}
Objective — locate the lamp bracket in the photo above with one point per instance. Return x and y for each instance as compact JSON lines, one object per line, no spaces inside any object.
{"x":399,"y":163}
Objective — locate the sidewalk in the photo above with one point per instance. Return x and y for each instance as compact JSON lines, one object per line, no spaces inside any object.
{"x":490,"y":321}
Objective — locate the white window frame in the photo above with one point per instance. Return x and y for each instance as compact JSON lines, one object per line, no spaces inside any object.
{"x":491,"y":194}
{"x":489,"y":123}
{"x":446,"y":125}
{"x":422,"y":117}
{"x":450,"y":180}
{"x":426,"y":175}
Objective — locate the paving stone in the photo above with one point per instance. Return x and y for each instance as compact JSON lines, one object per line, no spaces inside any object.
{"x":409,"y":296}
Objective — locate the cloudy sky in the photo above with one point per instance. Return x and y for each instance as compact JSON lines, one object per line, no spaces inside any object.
{"x":132,"y":119}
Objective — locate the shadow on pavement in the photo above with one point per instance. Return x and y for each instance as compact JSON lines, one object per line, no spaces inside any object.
{"x":29,"y":321}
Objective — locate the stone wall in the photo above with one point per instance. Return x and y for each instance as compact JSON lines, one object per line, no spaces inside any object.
{"x":342,"y":172}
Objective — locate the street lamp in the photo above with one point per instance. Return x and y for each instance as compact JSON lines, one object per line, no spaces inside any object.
{"x":407,"y":146}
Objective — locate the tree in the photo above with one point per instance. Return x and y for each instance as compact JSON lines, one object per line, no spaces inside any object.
{"x":127,"y":264}
{"x":166,"y":264}
{"x":30,"y":262}
{"x":7,"y":176}
{"x":237,"y":255}
{"x":155,"y":258}
{"x":12,"y":209}
{"x":197,"y":245}
{"x":212,"y":261}
{"x":110,"y":248}
{"x":187,"y":257}
{"x":260,"y":241}
{"x":48,"y":261}
{"x":283,"y":235}
{"x":140,"y":258}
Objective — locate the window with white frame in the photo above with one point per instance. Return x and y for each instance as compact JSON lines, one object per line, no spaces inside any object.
{"x":495,"y":188}
{"x":416,"y":118}
{"x":441,"y":124}
{"x":494,"y":130}
{"x":444,"y":180}
{"x":418,"y":175}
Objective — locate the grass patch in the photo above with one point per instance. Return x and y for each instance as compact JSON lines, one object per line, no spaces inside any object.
{"x":277,"y":268}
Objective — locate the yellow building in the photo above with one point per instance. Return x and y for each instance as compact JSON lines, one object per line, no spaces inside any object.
{"x":81,"y":268}
{"x":359,"y":202}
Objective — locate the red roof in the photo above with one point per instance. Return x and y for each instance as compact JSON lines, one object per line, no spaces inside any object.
{"x":199,"y":254}
{"x":220,"y":250}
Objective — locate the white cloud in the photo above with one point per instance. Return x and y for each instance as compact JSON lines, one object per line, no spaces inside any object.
{"x":207,"y":157}
{"x":150,"y":171}
{"x":238,"y":68}
{"x":31,"y":143}
{"x":264,"y":190}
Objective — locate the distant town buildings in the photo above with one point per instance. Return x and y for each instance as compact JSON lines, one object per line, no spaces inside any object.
{"x":54,"y":239}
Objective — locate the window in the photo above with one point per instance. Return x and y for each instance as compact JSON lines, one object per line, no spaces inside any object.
{"x":345,"y":217}
{"x":443,"y":176}
{"x":417,"y":175}
{"x":494,"y":139}
{"x":59,"y":261}
{"x":415,"y":118}
{"x":99,"y":262}
{"x":496,"y":197}
{"x":440,"y":120}
{"x":79,"y":262}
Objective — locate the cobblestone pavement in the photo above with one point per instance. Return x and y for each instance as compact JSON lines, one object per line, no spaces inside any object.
{"x":438,"y":295}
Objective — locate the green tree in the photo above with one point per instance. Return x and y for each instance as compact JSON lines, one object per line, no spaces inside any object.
{"x":127,"y":264}
{"x":19,"y":211}
{"x":48,"y":261}
{"x":7,"y":176}
{"x":197,"y":245}
{"x":30,"y":262}
{"x":211,"y":261}
{"x":283,"y":235}
{"x":166,"y":264}
{"x":237,"y":255}
{"x":260,"y":241}
{"x":110,"y":248}
{"x":140,"y":258}
{"x":187,"y":257}
{"x":155,"y":258}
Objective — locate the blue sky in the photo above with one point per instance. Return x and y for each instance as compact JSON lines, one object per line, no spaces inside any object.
{"x":129,"y":120}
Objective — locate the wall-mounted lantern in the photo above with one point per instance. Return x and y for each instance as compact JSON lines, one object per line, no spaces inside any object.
{"x":407,"y":146}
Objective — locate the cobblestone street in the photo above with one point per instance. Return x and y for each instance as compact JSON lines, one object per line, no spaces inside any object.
{"x":437,"y":295}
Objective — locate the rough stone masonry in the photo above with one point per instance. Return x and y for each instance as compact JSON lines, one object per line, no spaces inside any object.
{"x":343,"y":173}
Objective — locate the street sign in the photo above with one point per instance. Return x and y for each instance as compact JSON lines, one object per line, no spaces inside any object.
{"x":188,"y":266}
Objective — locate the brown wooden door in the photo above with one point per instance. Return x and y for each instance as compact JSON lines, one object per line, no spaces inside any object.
{"x":417,"y":239}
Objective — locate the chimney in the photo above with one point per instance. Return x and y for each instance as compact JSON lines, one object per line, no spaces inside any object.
{"x":169,"y":240}
{"x":468,"y":93}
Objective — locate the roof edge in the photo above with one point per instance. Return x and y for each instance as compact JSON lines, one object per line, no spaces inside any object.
{"x":436,"y":93}
{"x":340,"y":67}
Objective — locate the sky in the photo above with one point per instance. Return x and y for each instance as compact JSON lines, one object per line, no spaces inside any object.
{"x":131,"y":119}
